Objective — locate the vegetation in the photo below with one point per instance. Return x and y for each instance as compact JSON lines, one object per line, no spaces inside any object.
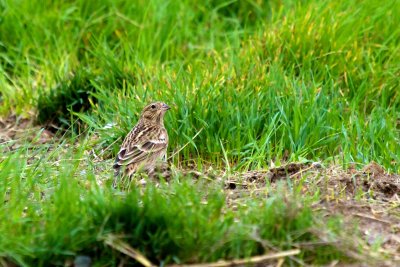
{"x":182,"y":221}
{"x":249,"y":82}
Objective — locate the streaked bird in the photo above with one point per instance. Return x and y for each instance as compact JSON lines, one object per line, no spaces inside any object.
{"x":145,"y":144}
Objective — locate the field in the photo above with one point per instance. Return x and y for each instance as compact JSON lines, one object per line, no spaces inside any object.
{"x":284,"y":132}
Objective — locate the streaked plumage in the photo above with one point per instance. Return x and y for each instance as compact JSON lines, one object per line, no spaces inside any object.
{"x":145,"y":144}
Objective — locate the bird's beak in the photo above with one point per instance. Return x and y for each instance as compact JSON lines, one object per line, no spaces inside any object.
{"x":165,"y":107}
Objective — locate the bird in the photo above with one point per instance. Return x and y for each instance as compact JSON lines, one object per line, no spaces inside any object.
{"x":145,"y":145}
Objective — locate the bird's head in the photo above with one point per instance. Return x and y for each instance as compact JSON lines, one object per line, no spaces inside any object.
{"x":154,"y":113}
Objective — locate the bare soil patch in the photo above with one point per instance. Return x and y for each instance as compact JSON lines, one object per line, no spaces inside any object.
{"x":372,"y":182}
{"x":368,"y":198}
{"x":15,"y":130}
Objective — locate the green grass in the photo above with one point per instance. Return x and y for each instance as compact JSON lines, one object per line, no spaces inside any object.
{"x":51,"y":220}
{"x":258,"y":80}
{"x":317,"y":80}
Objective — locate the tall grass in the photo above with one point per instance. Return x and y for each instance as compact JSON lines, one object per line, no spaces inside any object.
{"x":264,"y":79}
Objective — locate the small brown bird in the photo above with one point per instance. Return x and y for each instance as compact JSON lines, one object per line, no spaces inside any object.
{"x":145,"y":144}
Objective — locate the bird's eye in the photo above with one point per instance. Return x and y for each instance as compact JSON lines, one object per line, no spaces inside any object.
{"x":153,"y":106}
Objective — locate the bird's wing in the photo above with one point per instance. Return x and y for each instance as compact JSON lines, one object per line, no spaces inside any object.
{"x":141,"y":150}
